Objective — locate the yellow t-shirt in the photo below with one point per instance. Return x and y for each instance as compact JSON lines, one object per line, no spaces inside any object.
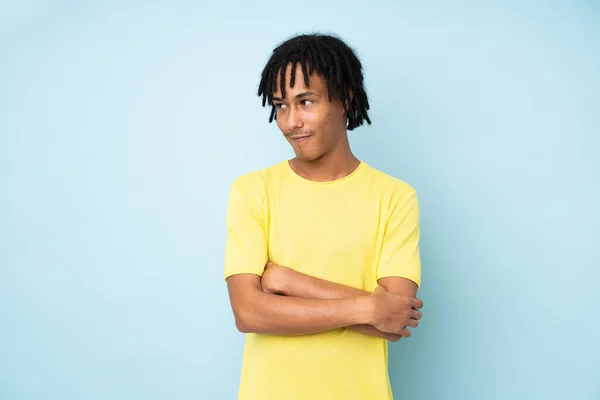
{"x":353,"y":231}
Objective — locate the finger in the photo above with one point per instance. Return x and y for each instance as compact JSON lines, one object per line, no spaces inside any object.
{"x":417,"y":303}
{"x":392,"y":337}
{"x":412,"y":322}
{"x":416,"y":314}
{"x":405,"y":333}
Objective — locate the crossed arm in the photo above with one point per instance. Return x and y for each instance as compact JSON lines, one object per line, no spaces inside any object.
{"x":281,"y":280}
{"x":286,"y":302}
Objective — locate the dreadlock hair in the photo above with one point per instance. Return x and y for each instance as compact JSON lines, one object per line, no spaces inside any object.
{"x":331,"y":58}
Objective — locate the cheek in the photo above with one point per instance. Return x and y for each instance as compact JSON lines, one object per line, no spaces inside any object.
{"x":327,"y":125}
{"x":280,"y":123}
{"x":319,"y":121}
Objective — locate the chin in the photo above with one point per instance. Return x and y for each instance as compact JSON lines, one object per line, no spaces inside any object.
{"x":308,"y":157}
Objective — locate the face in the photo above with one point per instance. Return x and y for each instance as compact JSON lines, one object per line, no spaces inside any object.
{"x":310,"y":123}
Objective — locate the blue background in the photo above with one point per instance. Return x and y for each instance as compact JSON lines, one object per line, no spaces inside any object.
{"x":123,"y":123}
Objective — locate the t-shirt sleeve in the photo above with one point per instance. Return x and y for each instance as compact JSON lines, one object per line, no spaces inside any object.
{"x":246,"y":243}
{"x":400,"y":254}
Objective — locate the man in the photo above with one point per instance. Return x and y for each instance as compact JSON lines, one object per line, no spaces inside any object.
{"x":322,"y":261}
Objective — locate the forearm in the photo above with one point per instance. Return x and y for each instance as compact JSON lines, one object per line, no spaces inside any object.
{"x":260,"y":312}
{"x":289,"y":282}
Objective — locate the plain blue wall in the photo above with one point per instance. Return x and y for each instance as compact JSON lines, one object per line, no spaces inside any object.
{"x":123,"y":124}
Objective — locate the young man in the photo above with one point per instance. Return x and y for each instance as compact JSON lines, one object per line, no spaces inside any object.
{"x":322,"y":260}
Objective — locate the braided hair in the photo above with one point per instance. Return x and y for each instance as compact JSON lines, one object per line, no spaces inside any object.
{"x":331,"y":58}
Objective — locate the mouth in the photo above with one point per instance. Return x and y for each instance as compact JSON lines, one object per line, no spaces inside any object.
{"x":298,"y":139}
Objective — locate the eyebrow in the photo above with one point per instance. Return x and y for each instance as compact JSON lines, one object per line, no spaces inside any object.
{"x":298,"y":96}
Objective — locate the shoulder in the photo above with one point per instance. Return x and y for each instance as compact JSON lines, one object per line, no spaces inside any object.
{"x":388,"y":184}
{"x":256,"y":182}
{"x":396,"y":195}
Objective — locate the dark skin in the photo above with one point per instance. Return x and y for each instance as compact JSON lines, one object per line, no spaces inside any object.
{"x":308,"y":304}
{"x":285,"y":281}
{"x":325,"y":155}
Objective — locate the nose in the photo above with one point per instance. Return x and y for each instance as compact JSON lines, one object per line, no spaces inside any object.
{"x":294,"y":120}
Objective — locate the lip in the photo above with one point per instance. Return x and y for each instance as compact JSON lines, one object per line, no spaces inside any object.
{"x":300,"y":138}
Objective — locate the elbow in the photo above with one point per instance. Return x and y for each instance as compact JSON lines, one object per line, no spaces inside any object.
{"x":243,"y":321}
{"x":246,"y":299}
{"x":241,"y":325}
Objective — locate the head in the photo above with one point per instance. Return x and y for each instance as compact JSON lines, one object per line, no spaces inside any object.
{"x":314,"y":85}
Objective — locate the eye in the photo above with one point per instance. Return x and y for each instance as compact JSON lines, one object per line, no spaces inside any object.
{"x":307,"y":101}
{"x":279,"y":106}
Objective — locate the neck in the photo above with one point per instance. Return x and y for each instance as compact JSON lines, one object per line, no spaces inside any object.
{"x":333,"y":165}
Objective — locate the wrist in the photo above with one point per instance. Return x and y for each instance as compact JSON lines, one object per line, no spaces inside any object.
{"x":364,"y":310}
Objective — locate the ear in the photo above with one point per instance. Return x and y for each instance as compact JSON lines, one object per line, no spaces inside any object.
{"x":348,"y":100}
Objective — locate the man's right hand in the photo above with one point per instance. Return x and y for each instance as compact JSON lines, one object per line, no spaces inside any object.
{"x":392,"y":312}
